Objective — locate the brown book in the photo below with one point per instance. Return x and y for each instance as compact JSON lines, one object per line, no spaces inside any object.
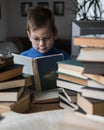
{"x":13,"y":94}
{"x":46,"y":96}
{"x":91,"y":106}
{"x":89,"y":41}
{"x":91,"y":54}
{"x":37,"y":107}
{"x":11,"y":72}
{"x":87,"y":82}
{"x":19,"y":81}
{"x":20,"y":106}
{"x":96,"y":77}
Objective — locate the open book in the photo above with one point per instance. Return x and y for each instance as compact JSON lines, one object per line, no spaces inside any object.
{"x":43,"y":69}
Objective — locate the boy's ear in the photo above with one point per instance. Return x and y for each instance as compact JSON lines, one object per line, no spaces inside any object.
{"x":28,"y":34}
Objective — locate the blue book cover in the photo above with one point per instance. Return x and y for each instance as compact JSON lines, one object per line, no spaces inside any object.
{"x":45,"y":76}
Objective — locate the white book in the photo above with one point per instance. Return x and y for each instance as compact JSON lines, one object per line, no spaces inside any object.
{"x":69,"y":85}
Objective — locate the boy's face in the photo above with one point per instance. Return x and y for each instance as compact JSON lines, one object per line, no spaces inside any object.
{"x":42,"y":39}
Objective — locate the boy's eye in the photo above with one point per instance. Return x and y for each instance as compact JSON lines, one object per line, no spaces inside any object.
{"x":45,"y":39}
{"x":36,"y":39}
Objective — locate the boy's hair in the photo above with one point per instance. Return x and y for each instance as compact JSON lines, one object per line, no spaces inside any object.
{"x":39,"y":17}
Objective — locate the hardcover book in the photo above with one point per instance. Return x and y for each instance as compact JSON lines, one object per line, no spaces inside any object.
{"x":89,"y":41}
{"x":13,"y":94}
{"x":47,"y":96}
{"x":91,"y":54}
{"x":96,"y":77}
{"x":43,"y":69}
{"x":91,"y":106}
{"x":10,"y":72}
{"x":19,"y":81}
{"x":71,"y":67}
{"x":69,"y":85}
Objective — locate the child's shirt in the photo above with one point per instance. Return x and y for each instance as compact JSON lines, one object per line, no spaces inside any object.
{"x":33,"y":53}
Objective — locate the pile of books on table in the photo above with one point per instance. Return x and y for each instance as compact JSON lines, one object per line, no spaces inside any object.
{"x":82,"y":80}
{"x":14,"y":86}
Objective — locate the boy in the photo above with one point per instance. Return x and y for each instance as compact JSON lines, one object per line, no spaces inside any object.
{"x":42,"y":32}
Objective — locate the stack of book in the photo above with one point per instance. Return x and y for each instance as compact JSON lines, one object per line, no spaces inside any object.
{"x":45,"y":100}
{"x":14,"y":86}
{"x":85,"y":76}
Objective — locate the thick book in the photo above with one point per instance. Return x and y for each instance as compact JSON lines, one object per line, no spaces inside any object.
{"x":96,"y":77}
{"x":91,"y":54}
{"x":89,"y":41}
{"x":93,"y":67}
{"x":43,"y":68}
{"x":39,"y":107}
{"x":71,"y":67}
{"x":69,"y":85}
{"x":19,"y":81}
{"x":11,"y":72}
{"x":86,"y":82}
{"x":93,"y":93}
{"x":91,"y":106}
{"x":19,"y":106}
{"x":13,"y":94}
{"x":47,"y":96}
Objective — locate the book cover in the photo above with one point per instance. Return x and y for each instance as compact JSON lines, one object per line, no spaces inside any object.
{"x":11,"y":72}
{"x":19,"y":81}
{"x":13,"y":94}
{"x":91,"y":54}
{"x":47,"y":96}
{"x":43,"y":69}
{"x":89,"y":41}
{"x":96,"y":77}
{"x":71,"y":65}
{"x":91,"y":106}
{"x":93,"y":67}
